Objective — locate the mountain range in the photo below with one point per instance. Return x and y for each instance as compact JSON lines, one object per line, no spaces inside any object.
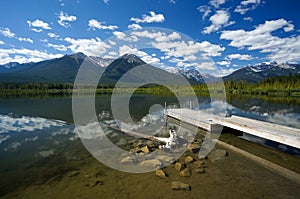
{"x":257,"y":73}
{"x":64,"y":70}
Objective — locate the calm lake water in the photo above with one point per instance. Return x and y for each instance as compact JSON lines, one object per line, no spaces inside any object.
{"x":34,"y":129}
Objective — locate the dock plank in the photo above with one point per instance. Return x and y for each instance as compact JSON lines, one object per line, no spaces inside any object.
{"x":270,"y":131}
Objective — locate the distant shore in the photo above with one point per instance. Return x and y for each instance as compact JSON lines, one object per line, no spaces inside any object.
{"x":201,"y":89}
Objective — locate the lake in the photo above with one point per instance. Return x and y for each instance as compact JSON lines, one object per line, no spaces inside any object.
{"x":37,"y":139}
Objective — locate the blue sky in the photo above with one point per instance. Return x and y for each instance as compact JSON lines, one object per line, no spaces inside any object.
{"x":228,"y":33}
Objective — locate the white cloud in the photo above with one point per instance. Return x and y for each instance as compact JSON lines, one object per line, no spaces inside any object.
{"x":247,"y":2}
{"x":247,"y":5}
{"x":206,"y":10}
{"x":59,"y":47}
{"x":25,"y":39}
{"x":52,"y":35}
{"x":223,"y":72}
{"x":239,"y":56}
{"x":279,"y":49}
{"x":150,"y":19}
{"x":248,"y":19}
{"x":157,"y":36}
{"x":36,"y":30}
{"x":218,"y":20}
{"x":7,"y":33}
{"x":205,"y":66}
{"x":224,"y":63}
{"x":106,"y":1}
{"x":172,"y":1}
{"x":149,"y":59}
{"x":44,"y":40}
{"x":182,"y":48}
{"x":38,"y":25}
{"x":289,"y":27}
{"x":64,"y":19}
{"x":24,"y":55}
{"x":134,"y":26}
{"x":122,"y":36}
{"x":94,"y":24}
{"x":216,"y":3}
{"x":199,"y":65}
{"x":1,"y":42}
{"x":90,"y":47}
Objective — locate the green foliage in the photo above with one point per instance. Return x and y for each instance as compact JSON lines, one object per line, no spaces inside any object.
{"x":274,"y":86}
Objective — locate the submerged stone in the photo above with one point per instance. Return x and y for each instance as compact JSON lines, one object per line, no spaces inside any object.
{"x":185,"y":172}
{"x":145,"y":149}
{"x":160,"y":173}
{"x":180,"y":186}
{"x":188,"y":159}
{"x":179,"y":166}
{"x":151,"y":163}
{"x":127,"y":160}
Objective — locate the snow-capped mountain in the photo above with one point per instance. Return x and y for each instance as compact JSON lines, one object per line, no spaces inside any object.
{"x":64,"y":69}
{"x":8,"y":66}
{"x":258,"y":72}
{"x":102,"y":62}
{"x":192,"y":74}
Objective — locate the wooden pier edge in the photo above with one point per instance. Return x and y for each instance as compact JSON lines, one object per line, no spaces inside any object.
{"x":291,"y":175}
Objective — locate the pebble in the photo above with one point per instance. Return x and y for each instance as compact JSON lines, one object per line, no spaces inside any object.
{"x":160,"y":173}
{"x":188,"y":159}
{"x":185,"y":172}
{"x":180,"y":186}
{"x":198,"y":164}
{"x":145,"y":149}
{"x":127,"y":160}
{"x":194,"y":148}
{"x":151,"y":163}
{"x":200,"y":171}
{"x":179,"y":166}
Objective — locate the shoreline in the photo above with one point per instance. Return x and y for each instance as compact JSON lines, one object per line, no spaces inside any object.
{"x":232,"y":176}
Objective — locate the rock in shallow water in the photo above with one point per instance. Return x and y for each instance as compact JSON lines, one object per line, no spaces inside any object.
{"x":179,"y":166}
{"x":127,"y":160}
{"x":217,"y":154}
{"x":151,"y":163}
{"x":200,"y":171}
{"x":145,"y":149}
{"x":188,"y":159}
{"x":195,"y":148}
{"x":165,"y":158}
{"x":198,"y":164}
{"x":180,"y":186}
{"x":185,"y":172}
{"x":160,"y":173}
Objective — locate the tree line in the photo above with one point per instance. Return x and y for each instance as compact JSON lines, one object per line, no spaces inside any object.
{"x":279,"y":85}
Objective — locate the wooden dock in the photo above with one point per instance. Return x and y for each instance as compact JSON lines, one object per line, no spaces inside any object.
{"x":274,"y":132}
